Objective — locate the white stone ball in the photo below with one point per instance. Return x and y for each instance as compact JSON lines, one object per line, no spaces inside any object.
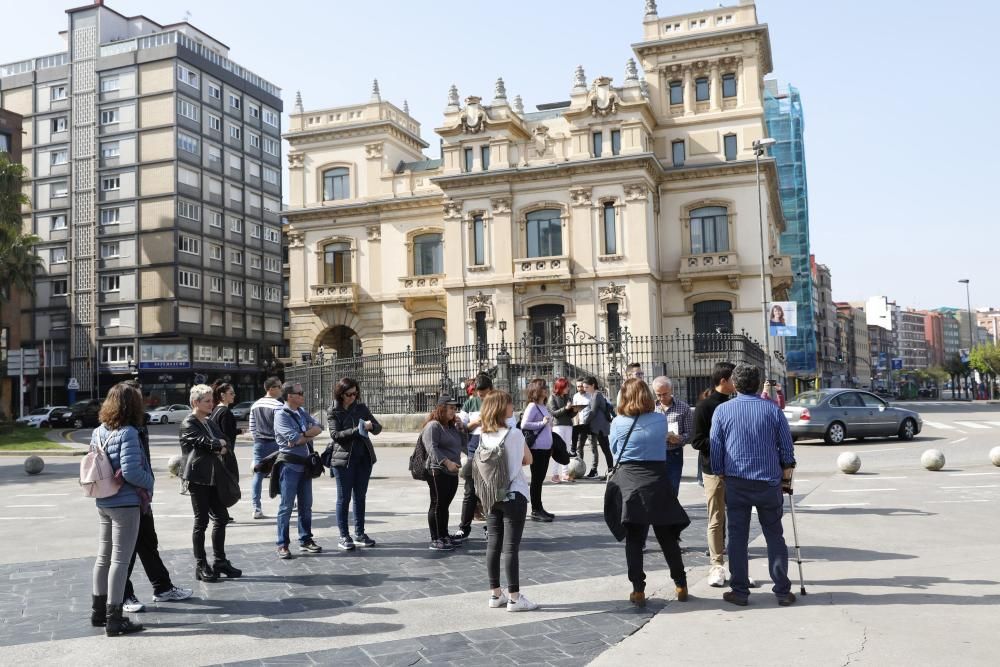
{"x":576,"y":469}
{"x":932,"y":459}
{"x":995,"y":456}
{"x":849,"y":463}
{"x":174,"y":465}
{"x":33,"y":465}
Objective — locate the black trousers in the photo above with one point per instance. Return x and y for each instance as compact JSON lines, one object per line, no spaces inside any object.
{"x":206,"y":504}
{"x":635,"y":540}
{"x":443,"y":488}
{"x":506,"y":525}
{"x":469,"y":502}
{"x":580,"y":433}
{"x":539,"y":469}
{"x":148,"y":551}
{"x":601,"y":440}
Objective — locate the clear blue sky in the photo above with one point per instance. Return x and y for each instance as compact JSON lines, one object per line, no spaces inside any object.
{"x":900,"y":101}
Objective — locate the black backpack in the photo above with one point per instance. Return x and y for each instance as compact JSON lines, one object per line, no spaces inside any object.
{"x":418,"y":460}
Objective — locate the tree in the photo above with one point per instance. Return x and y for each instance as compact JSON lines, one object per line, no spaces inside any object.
{"x":955,"y":368}
{"x":18,"y":261}
{"x":986,"y":360}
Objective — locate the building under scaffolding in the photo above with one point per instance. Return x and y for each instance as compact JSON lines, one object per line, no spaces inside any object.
{"x":786,"y":123}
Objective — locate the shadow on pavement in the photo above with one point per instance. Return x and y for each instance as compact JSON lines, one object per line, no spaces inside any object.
{"x":916,"y":582}
{"x":879,"y":511}
{"x":838,"y":554}
{"x":273,"y":629}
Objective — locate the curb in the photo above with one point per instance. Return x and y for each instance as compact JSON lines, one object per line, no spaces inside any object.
{"x":44,"y":452}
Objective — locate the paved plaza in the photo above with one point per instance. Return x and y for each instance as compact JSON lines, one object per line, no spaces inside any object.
{"x":899,"y":562}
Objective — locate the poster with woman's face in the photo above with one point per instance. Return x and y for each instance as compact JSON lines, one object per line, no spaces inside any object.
{"x":782,"y":319}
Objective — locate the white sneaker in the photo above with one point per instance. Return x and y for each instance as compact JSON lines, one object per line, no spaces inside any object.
{"x":258,"y":514}
{"x":173,"y":595}
{"x":497,"y":602}
{"x":752,"y":583}
{"x":521,"y":604}
{"x":717,"y":576}
{"x":132,"y":605}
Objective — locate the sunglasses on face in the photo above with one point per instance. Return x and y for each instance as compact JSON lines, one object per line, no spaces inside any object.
{"x":350,"y":394}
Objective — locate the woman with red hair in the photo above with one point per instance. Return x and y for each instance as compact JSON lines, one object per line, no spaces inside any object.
{"x":560,"y":405}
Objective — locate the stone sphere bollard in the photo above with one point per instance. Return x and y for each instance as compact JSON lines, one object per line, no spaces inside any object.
{"x":995,"y":456}
{"x":576,"y":469}
{"x":932,"y":459}
{"x":174,"y":465}
{"x":33,"y":465}
{"x":849,"y":463}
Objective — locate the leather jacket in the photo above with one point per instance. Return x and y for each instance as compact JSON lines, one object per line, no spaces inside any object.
{"x":345,"y":434}
{"x":199,"y":446}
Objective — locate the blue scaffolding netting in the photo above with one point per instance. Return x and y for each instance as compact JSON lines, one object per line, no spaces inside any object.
{"x":786,"y":124}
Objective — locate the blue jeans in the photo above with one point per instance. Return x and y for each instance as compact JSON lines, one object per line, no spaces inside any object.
{"x":295,"y":485}
{"x":675,"y":467}
{"x":261,"y":450}
{"x":741,"y":496}
{"x":352,"y":481}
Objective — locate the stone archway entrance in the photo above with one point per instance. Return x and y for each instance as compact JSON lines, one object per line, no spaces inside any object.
{"x":341,"y":341}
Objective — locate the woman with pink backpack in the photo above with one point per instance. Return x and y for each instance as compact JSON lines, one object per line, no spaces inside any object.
{"x":117,"y":440}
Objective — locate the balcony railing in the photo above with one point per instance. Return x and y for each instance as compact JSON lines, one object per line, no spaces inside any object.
{"x":535,"y":269}
{"x":333,"y":294}
{"x":709,"y":266}
{"x":417,"y":286}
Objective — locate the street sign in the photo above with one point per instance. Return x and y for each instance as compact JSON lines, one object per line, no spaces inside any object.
{"x":22,"y":362}
{"x":897,"y":364}
{"x":73,"y":384}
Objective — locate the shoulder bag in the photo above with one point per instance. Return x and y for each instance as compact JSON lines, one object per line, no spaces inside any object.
{"x":618,"y":461}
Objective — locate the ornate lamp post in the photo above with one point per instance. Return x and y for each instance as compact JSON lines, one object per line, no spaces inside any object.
{"x":759,"y":146}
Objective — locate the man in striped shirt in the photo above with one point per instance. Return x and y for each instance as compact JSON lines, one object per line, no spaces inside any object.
{"x":262,"y":431}
{"x":751,"y":445}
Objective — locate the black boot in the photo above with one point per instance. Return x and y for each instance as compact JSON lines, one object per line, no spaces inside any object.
{"x":118,"y":624}
{"x":202,"y":572}
{"x":98,"y":610}
{"x":226,"y":568}
{"x":592,"y":473}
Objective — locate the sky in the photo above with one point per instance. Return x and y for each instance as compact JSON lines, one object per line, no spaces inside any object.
{"x":900,"y":100}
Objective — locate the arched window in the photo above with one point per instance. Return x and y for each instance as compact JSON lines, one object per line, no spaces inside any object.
{"x":709,"y":230}
{"x":428,"y":255}
{"x":544,"y":233}
{"x":336,"y":263}
{"x":428,"y":339}
{"x":336,"y":184}
{"x":712,"y":318}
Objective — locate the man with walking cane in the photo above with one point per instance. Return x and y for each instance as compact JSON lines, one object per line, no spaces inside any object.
{"x":751,"y":446}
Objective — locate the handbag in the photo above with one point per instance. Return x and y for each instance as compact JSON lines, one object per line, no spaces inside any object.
{"x":227,"y":486}
{"x":613,"y":494}
{"x":530,"y":436}
{"x":618,"y":461}
{"x":559,"y":452}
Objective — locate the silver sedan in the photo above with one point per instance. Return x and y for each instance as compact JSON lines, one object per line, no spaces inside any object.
{"x":837,"y":414}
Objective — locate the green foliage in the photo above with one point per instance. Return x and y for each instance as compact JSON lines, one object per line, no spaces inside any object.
{"x":985,"y":359}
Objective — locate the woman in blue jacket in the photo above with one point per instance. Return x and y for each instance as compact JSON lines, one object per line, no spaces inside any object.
{"x":118,"y":436}
{"x":351,"y":458}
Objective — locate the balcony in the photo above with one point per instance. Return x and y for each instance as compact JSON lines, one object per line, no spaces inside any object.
{"x":413,"y":288}
{"x":709,"y":266}
{"x":542,"y":269}
{"x":781,"y":272}
{"x":334,"y":294}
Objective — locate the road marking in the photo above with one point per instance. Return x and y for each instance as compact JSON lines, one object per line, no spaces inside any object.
{"x":28,"y":518}
{"x":872,"y":479}
{"x":972,"y":425}
{"x":972,"y":474}
{"x":891,"y":449}
{"x":982,"y":486}
{"x":10,"y":507}
{"x":860,"y":490}
{"x":946,"y":427}
{"x":834,"y":505}
{"x":993,"y":423}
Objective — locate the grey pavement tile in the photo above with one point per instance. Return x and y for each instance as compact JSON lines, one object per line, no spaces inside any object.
{"x":398,"y":646}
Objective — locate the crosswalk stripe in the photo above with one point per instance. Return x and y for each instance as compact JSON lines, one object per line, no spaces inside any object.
{"x":945,"y":427}
{"x":993,"y":423}
{"x":971,"y":425}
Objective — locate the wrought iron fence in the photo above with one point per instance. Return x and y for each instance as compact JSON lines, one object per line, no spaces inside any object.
{"x":411,"y":381}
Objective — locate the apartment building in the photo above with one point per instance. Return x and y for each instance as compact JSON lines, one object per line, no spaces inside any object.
{"x":155,"y":187}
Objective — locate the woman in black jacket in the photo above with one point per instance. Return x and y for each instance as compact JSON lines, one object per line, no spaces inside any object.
{"x":202,"y":443}
{"x":351,"y":458}
{"x":224,"y":395}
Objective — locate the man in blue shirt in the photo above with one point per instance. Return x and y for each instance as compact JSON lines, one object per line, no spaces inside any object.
{"x":751,"y":446}
{"x":294,"y":430}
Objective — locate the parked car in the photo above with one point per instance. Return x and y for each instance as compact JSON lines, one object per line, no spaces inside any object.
{"x":837,"y":414}
{"x":39,"y":417}
{"x":168,"y":414}
{"x":82,"y":414}
{"x":242,"y":410}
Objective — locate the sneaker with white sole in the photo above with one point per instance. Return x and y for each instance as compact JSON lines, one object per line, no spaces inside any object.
{"x":717,"y":577}
{"x":521,"y":604}
{"x":174,"y":594}
{"x":258,"y":514}
{"x":132,"y":605}
{"x":499,"y":602}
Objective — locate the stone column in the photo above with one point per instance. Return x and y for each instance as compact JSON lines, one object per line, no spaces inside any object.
{"x":715,"y":88}
{"x":688,"y":92}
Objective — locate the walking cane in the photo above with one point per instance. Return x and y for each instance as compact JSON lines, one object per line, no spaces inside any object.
{"x":795,"y":535}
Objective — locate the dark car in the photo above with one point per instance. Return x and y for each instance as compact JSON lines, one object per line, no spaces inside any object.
{"x":82,"y":414}
{"x":837,"y":414}
{"x":241,"y":411}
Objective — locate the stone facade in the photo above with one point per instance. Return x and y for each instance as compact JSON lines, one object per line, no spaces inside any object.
{"x":631,"y":205}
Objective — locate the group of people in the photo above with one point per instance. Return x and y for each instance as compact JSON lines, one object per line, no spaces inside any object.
{"x":743,"y":440}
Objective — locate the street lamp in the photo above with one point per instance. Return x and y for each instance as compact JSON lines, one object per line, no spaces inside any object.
{"x":759,"y":146}
{"x":133,"y":369}
{"x":503,"y":328}
{"x":968,"y":305}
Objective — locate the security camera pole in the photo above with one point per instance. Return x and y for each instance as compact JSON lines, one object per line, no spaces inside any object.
{"x":758,"y":150}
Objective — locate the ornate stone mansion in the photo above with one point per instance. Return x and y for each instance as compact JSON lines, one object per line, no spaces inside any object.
{"x":631,"y":204}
